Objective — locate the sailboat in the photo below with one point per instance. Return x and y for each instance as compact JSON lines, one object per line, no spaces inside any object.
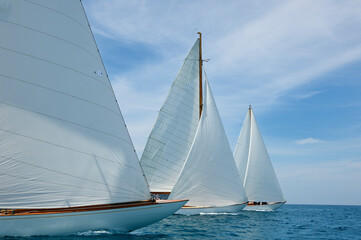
{"x":187,"y":153}
{"x":255,"y":168}
{"x":67,"y":161}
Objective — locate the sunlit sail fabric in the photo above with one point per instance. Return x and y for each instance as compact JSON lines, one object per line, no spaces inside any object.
{"x":242,"y":148}
{"x":260,"y":181}
{"x":63,"y":140}
{"x":172,"y":135}
{"x":209,"y":176}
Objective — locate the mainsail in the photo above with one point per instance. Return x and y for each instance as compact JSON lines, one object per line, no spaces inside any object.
{"x":173,"y":133}
{"x":254,"y":165}
{"x":209,"y":176}
{"x":63,"y":140}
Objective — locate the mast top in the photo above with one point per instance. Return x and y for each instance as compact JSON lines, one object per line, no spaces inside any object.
{"x":250,"y":107}
{"x":200,"y":75}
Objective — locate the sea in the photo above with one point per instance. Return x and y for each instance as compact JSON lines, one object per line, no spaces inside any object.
{"x":288,"y":222}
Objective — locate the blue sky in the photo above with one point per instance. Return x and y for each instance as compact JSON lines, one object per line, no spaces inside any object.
{"x":297,"y":62}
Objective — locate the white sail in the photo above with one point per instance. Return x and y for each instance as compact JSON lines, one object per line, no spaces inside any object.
{"x":209,"y":176}
{"x":172,"y":135}
{"x":63,"y":140}
{"x":260,"y":181}
{"x":242,"y":148}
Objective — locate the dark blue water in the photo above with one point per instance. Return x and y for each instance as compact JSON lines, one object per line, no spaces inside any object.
{"x":287,"y":222}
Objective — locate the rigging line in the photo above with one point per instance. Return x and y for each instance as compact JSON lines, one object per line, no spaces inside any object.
{"x":166,"y":112}
{"x":63,"y":120}
{"x":175,"y":128}
{"x":53,"y":36}
{"x":177,"y":116}
{"x":158,"y":163}
{"x":159,"y":160}
{"x":71,"y":149}
{"x":50,"y":89}
{"x":163,"y":175}
{"x":56,"y":64}
{"x":112,"y":90}
{"x":168,"y":153}
{"x":173,"y":141}
{"x":175,"y":121}
{"x":182,"y":91}
{"x":179,"y":99}
{"x":164,"y":137}
{"x":60,"y":13}
{"x":61,"y":184}
{"x":55,"y":171}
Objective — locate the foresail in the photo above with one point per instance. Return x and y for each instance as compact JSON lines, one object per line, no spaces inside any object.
{"x":261,"y":183}
{"x":242,"y":148}
{"x":172,"y":135}
{"x":63,"y":140}
{"x":209,"y":176}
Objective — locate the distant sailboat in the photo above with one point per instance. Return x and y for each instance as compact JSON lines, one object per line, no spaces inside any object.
{"x":67,"y":161}
{"x":255,"y":168}
{"x":188,"y":156}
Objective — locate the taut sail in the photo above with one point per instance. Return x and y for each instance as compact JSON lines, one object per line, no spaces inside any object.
{"x":173,"y":133}
{"x":63,"y":140}
{"x":64,"y":147}
{"x":254,"y":165}
{"x":209,"y":177}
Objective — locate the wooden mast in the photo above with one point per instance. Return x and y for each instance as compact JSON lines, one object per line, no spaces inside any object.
{"x":200,"y":75}
{"x":249,"y":109}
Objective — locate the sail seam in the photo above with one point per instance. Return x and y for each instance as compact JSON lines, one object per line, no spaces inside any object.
{"x":170,"y":155}
{"x":63,"y":120}
{"x":53,"y":90}
{"x":61,"y":184}
{"x":53,"y":36}
{"x":71,"y":149}
{"x":112,"y":90}
{"x":175,"y":118}
{"x":66,"y":174}
{"x":50,"y":62}
{"x":60,"y":13}
{"x":155,"y":135}
{"x":163,"y":173}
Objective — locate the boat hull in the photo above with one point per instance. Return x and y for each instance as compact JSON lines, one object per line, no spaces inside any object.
{"x":204,"y":210}
{"x":122,"y":219}
{"x":265,"y":207}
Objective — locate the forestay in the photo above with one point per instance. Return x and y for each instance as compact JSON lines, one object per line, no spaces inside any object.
{"x":172,"y":135}
{"x":242,"y":148}
{"x":260,"y":181}
{"x":209,"y":176}
{"x":63,"y":140}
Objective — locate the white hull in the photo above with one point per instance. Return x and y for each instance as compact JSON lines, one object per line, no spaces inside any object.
{"x":266,"y":207}
{"x":198,"y":210}
{"x":120,"y":219}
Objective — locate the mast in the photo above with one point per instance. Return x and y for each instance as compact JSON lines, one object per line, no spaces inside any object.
{"x":200,"y":75}
{"x":250,"y":109}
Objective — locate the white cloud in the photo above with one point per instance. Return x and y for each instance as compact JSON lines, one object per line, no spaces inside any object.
{"x":306,"y":95}
{"x":308,"y":141}
{"x":259,"y":50}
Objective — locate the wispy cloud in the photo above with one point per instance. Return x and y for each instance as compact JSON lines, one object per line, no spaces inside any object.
{"x":306,"y":95}
{"x":260,"y":51}
{"x":308,"y":141}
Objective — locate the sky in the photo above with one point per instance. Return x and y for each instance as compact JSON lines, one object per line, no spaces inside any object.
{"x":298,"y":63}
